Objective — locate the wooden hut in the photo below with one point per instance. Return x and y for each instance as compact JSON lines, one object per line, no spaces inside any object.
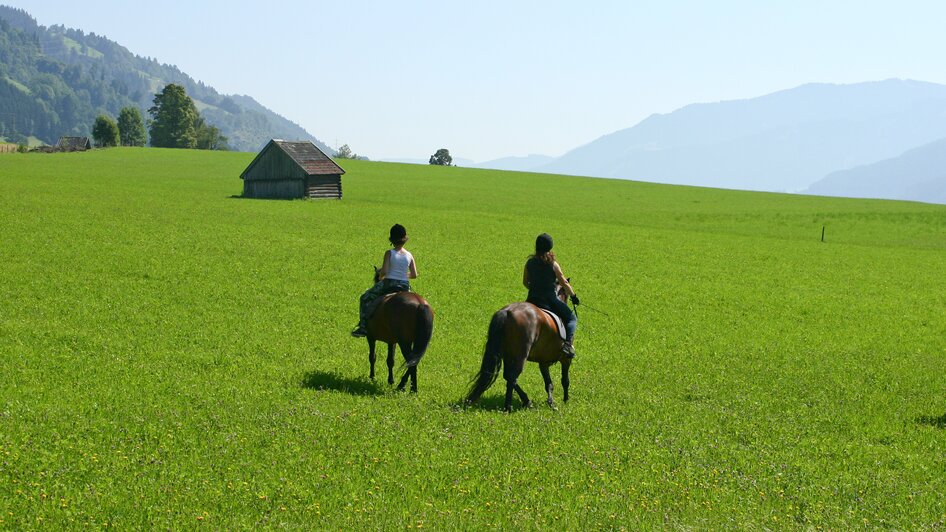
{"x":73,"y":144}
{"x":287,"y":170}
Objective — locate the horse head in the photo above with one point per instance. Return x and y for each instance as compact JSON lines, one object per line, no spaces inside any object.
{"x":560,"y":291}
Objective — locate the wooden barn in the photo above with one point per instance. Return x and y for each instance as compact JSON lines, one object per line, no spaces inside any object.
{"x":74,"y":144}
{"x":287,"y":170}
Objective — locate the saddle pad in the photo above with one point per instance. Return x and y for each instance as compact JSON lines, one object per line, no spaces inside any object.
{"x":558,"y":322}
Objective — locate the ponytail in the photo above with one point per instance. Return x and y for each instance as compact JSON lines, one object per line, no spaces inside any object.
{"x":548,"y":257}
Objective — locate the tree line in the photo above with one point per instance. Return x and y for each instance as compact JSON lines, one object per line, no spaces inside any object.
{"x":174,"y":123}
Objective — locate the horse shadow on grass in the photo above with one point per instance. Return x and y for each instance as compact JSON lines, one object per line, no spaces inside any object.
{"x":938,"y":422}
{"x":322,"y":380}
{"x":491,"y":403}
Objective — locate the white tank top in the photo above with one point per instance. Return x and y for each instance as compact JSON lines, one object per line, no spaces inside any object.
{"x":399,"y":263}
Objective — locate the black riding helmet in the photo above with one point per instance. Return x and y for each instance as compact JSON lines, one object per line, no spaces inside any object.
{"x":398,"y":234}
{"x":543,"y":243}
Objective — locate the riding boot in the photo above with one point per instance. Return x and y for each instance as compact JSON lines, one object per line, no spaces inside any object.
{"x":361,"y":331}
{"x":568,"y":349}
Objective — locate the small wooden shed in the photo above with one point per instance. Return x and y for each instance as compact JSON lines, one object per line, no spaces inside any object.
{"x":74,"y":144}
{"x":287,"y":170}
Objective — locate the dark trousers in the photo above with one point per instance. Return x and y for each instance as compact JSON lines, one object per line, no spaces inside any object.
{"x":382,"y":287}
{"x":562,"y":311}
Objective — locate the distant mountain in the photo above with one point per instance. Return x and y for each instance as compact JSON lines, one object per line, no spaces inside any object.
{"x":918,"y":175}
{"x":54,"y":81}
{"x":783,"y":141}
{"x":517,"y":164}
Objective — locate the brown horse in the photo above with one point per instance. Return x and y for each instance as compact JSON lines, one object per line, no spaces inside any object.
{"x":517,"y":333}
{"x":404,"y":319}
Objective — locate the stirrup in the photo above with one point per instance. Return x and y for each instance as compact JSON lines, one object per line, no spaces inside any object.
{"x":359,"y":332}
{"x":568,"y":349}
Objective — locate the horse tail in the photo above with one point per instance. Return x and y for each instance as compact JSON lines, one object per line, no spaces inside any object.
{"x":423,"y":331}
{"x":492,"y":357}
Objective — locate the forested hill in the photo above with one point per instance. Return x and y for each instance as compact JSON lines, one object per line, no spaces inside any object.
{"x":55,"y":80}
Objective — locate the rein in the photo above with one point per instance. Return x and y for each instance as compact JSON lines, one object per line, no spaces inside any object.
{"x":591,"y":309}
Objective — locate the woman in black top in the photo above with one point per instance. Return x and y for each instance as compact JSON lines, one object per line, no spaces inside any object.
{"x":539,"y":276}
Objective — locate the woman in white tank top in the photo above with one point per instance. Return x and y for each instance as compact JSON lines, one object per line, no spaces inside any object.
{"x":397,"y":269}
{"x":400,"y":265}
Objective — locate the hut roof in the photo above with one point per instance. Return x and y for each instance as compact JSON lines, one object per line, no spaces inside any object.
{"x":307,"y":155}
{"x":74,"y":143}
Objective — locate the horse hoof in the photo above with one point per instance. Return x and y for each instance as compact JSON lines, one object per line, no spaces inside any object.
{"x":552,"y":405}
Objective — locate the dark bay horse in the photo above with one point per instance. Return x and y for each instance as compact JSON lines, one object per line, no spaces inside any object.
{"x":518,"y":333}
{"x":401,"y":319}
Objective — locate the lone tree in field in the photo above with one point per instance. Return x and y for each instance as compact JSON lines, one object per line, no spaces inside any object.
{"x":441,"y":158}
{"x":345,"y":153}
{"x":173,"y":119}
{"x":131,"y":127}
{"x":105,"y":132}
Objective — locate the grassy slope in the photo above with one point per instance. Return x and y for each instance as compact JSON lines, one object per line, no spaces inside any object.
{"x":174,"y":354}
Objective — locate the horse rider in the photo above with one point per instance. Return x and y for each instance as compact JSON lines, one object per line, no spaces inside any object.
{"x":539,"y":276}
{"x":397,"y":268}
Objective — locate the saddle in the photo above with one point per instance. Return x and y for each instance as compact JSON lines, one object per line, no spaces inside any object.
{"x":558,"y":322}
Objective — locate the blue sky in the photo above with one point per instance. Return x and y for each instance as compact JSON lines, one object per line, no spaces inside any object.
{"x":489,"y":79}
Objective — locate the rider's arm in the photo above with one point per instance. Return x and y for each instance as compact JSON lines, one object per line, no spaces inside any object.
{"x":385,"y":264}
{"x":412,"y":270}
{"x":525,"y":277}
{"x":561,"y":279}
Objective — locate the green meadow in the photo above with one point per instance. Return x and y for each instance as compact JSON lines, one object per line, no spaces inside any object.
{"x":175,"y":356}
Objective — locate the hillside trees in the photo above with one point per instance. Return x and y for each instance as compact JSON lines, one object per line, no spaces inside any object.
{"x":99,"y":76}
{"x":39,"y":95}
{"x":20,"y":112}
{"x":131,"y":127}
{"x":105,"y":132}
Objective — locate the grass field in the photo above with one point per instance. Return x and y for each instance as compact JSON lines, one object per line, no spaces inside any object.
{"x":176,"y":356}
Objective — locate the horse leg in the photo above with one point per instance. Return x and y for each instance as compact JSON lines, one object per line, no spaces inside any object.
{"x":406,"y":352}
{"x":544,"y":368}
{"x":371,"y":356}
{"x":522,"y":396}
{"x":507,"y":406}
{"x":412,"y":371}
{"x":390,"y":363}
{"x":565,"y":381}
{"x":511,"y":371}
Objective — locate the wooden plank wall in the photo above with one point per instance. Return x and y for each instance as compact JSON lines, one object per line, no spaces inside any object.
{"x":275,"y":165}
{"x":324,"y":187}
{"x":274,"y":189}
